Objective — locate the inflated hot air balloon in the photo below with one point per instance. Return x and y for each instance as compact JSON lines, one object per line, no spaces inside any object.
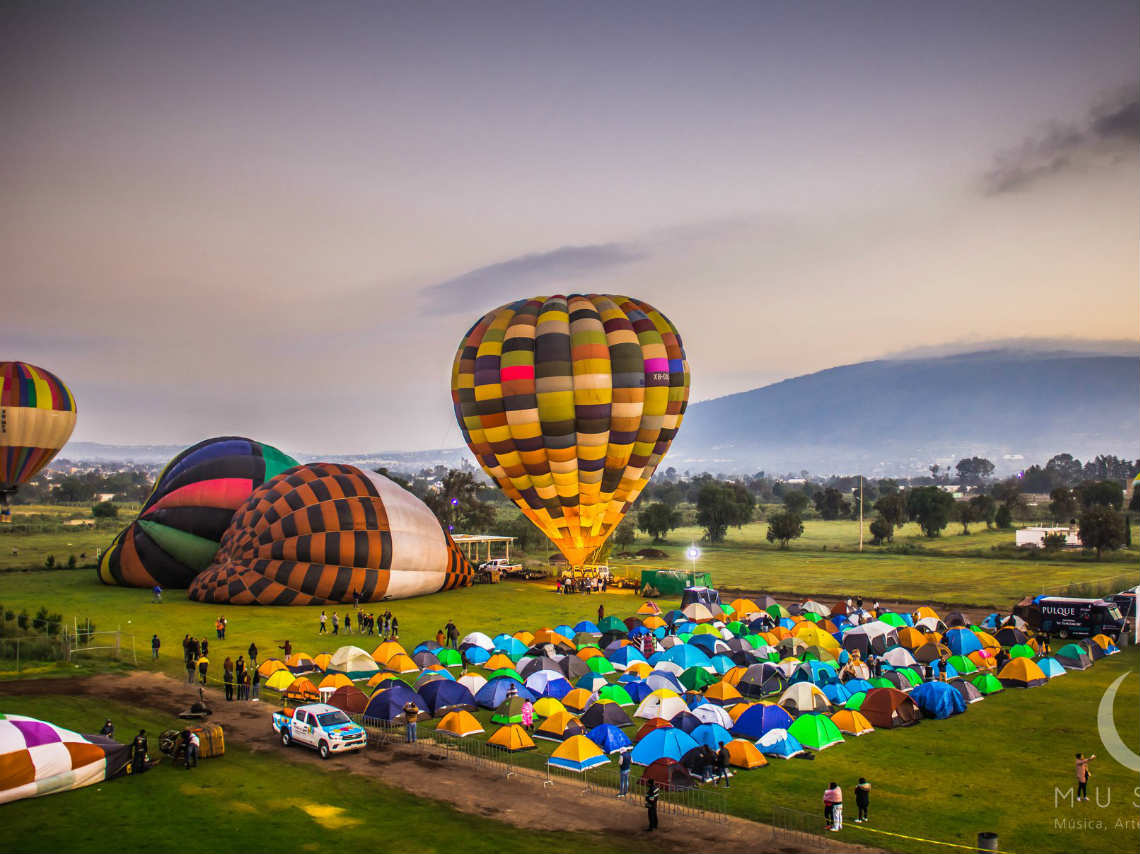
{"x":318,"y":533}
{"x":569,"y":404}
{"x":37,"y":415}
{"x":177,"y":532}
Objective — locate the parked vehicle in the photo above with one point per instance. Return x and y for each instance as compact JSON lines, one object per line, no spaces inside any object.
{"x":1067,"y":617}
{"x":324,"y":728}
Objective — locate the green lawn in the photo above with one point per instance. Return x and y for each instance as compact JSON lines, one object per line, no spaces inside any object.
{"x":246,"y":802}
{"x":993,"y":768}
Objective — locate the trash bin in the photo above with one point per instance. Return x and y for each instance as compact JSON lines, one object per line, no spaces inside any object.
{"x":987,"y":841}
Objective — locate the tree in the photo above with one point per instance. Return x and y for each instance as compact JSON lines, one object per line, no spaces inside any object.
{"x":1003,"y":518}
{"x":984,"y":509}
{"x":931,"y":508}
{"x":783,"y":527}
{"x":795,"y":501}
{"x":882,"y":531}
{"x":722,"y":504}
{"x":1036,"y":479}
{"x":1062,"y":504}
{"x":104,"y":510}
{"x":974,"y":470}
{"x":1065,"y":469}
{"x":456,"y":502}
{"x":1103,"y":493}
{"x":831,"y":504}
{"x":1134,"y":504}
{"x":657,"y":520}
{"x":624,"y":534}
{"x":892,"y":507}
{"x":1101,"y":528}
{"x":964,"y":513}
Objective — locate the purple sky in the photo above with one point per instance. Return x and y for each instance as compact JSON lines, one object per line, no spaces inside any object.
{"x":278,"y":219}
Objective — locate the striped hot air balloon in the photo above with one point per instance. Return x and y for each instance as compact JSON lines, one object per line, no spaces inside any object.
{"x":37,"y":415}
{"x":569,"y":403}
{"x":177,"y":532}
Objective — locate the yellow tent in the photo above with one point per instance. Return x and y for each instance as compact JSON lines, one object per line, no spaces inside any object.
{"x":639,"y":668}
{"x":524,"y":637}
{"x":924,"y":612}
{"x":270,"y":666}
{"x":279,"y":680}
{"x":723,"y":694}
{"x":648,"y":608}
{"x":851,"y":722}
{"x":743,"y":754}
{"x":578,"y":700}
{"x":544,"y":707}
{"x":511,"y":738}
{"x":813,"y":635}
{"x":322,"y":661}
{"x":298,"y":659}
{"x":577,"y":753}
{"x":497,"y":661}
{"x":382,"y":676}
{"x":401,"y":664}
{"x":387,"y":650}
{"x":333,"y":681}
{"x":554,"y":727}
{"x":460,"y":724}
{"x":1103,"y":641}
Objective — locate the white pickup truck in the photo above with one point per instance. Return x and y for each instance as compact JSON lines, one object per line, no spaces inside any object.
{"x":325,"y":728}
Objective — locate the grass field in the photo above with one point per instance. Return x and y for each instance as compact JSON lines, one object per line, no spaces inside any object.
{"x":246,"y":802}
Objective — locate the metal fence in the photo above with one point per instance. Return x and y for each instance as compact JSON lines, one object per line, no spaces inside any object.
{"x":708,"y":801}
{"x":20,"y":653}
{"x":805,"y":825}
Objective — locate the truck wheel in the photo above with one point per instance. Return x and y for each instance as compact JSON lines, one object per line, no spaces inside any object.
{"x":285,"y":739}
{"x":323,"y":750}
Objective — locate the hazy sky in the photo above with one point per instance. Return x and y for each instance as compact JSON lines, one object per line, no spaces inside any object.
{"x":278,"y":219}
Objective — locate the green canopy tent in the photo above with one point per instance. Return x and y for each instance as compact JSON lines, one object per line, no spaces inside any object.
{"x":672,"y":582}
{"x":987,"y":683}
{"x":815,"y":731}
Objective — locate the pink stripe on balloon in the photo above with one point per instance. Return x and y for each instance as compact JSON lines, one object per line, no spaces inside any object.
{"x":656,"y":365}
{"x":228,"y":492}
{"x":517,"y":372}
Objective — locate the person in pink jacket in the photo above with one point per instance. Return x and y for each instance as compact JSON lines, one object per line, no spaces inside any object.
{"x":527,"y":712}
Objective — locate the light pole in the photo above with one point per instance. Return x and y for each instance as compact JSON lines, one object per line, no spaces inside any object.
{"x":692,"y":553}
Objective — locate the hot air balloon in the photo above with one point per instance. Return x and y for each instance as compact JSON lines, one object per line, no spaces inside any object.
{"x":318,"y":533}
{"x":569,"y":404}
{"x":37,"y":415}
{"x":177,"y":532}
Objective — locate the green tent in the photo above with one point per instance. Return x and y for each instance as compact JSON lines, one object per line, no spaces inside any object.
{"x":987,"y":683}
{"x":737,"y":628}
{"x":707,"y":629}
{"x":913,"y":678}
{"x":882,"y":682}
{"x":815,"y":731}
{"x":892,"y":619}
{"x":509,"y":711}
{"x":1021,"y":650}
{"x":684,"y":637}
{"x":616,"y":693}
{"x":855,"y":701}
{"x":962,"y":664}
{"x":600,"y":665}
{"x":503,"y":671}
{"x":612,"y":624}
{"x":449,"y":657}
{"x":811,"y":616}
{"x":777,"y":611}
{"x":697,"y":678}
{"x":672,"y":582}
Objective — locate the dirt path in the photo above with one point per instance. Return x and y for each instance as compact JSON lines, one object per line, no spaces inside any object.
{"x":521,"y":800}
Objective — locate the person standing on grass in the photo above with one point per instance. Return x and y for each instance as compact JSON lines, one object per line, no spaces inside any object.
{"x":395,"y":629}
{"x":324,"y":619}
{"x":652,"y":793}
{"x":722,"y":761}
{"x":189,"y":669}
{"x":252,"y":652}
{"x":155,"y":643}
{"x":526,"y":712}
{"x":601,"y":612}
{"x":139,"y":750}
{"x":440,"y":638}
{"x":203,"y":666}
{"x":228,"y":678}
{"x":255,"y":685}
{"x":336,"y":623}
{"x":157,"y":594}
{"x":1083,"y":776}
{"x":204,"y":645}
{"x":624,"y":765}
{"x":411,"y":715}
{"x":239,"y":676}
{"x":829,"y":796}
{"x":863,"y":799}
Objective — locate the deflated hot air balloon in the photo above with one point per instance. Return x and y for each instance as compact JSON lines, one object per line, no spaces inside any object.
{"x":177,"y":532}
{"x":319,"y":533}
{"x":569,"y":404}
{"x":37,"y":415}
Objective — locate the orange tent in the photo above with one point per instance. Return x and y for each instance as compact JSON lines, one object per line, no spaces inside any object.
{"x":723,"y":694}
{"x":648,"y":608}
{"x":851,"y":722}
{"x":460,"y":724}
{"x":733,"y":674}
{"x":524,"y":637}
{"x":640,"y":668}
{"x":402,"y":664}
{"x":497,"y":661}
{"x":743,"y":607}
{"x":270,"y":666}
{"x":546,"y":635}
{"x":511,"y":738}
{"x":588,"y":652}
{"x":322,"y":661}
{"x":382,"y":676}
{"x":333,"y":681}
{"x":387,"y":650}
{"x":911,"y":638}
{"x":743,"y":754}
{"x":653,"y":623}
{"x":301,"y":691}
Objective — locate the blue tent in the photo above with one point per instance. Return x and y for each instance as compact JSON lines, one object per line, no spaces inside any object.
{"x":707,"y":643}
{"x":591,"y":682}
{"x":758,"y":720}
{"x":694,"y":699}
{"x":686,"y":655}
{"x":684,"y":626}
{"x":624,"y":656}
{"x":637,"y":631}
{"x":836,"y":692}
{"x":512,"y":648}
{"x":667,"y":742}
{"x":388,"y":705}
{"x":817,"y":672}
{"x":686,"y":721}
{"x":629,"y":679}
{"x":854,"y":686}
{"x":609,"y":738}
{"x":664,"y":679}
{"x":443,"y":695}
{"x":586,"y":626}
{"x":1051,"y":667}
{"x":938,"y":700}
{"x":547,"y":684}
{"x":712,"y":735}
{"x":638,"y":691}
{"x":492,"y":695}
{"x":426,"y":646}
{"x":722,"y":664}
{"x":961,"y":641}
{"x":476,"y":655}
{"x":779,"y":742}
{"x":565,"y":630}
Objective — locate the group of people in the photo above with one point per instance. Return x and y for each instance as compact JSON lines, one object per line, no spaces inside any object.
{"x":581,"y":584}
{"x":196,"y":654}
{"x":385,"y":625}
{"x":448,"y":636}
{"x":833,"y":804}
{"x":247,"y":680}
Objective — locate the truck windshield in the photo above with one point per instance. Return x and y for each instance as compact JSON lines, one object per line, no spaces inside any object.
{"x":333,"y":719}
{"x":1114,"y":613}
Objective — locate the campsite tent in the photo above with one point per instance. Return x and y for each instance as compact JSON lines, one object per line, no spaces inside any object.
{"x":1073,"y":657}
{"x":1051,"y":667}
{"x":967,"y":690}
{"x":760,"y":719}
{"x":388,"y":704}
{"x":815,"y":731}
{"x":577,"y":753}
{"x":779,"y":742}
{"x":665,"y":742}
{"x":804,"y":697}
{"x":1022,"y":673}
{"x":39,"y":758}
{"x":511,"y":738}
{"x":886,"y":708}
{"x":851,"y":722}
{"x":987,"y":684}
{"x":460,"y":723}
{"x":669,"y":774}
{"x":605,"y":712}
{"x":349,"y":699}
{"x":744,"y":754}
{"x":609,"y":738}
{"x":938,"y":700}
{"x":559,"y":727}
{"x":444,"y":696}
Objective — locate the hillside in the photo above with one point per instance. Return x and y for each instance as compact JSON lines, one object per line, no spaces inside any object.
{"x":898,"y":416}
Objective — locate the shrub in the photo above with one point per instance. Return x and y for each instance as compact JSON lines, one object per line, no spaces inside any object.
{"x":71,"y":561}
{"x":49,"y":562}
{"x":22,"y":619}
{"x":104,"y":510}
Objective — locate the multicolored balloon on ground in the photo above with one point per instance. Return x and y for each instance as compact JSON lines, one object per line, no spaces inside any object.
{"x":569,"y":404}
{"x":177,"y":532}
{"x":37,"y":415}
{"x":316,"y":534}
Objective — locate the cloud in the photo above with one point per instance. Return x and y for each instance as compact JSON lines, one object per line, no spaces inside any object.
{"x":541,"y":272}
{"x":1111,"y":130}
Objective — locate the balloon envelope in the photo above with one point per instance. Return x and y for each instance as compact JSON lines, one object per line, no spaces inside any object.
{"x":569,"y":404}
{"x":37,"y":415}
